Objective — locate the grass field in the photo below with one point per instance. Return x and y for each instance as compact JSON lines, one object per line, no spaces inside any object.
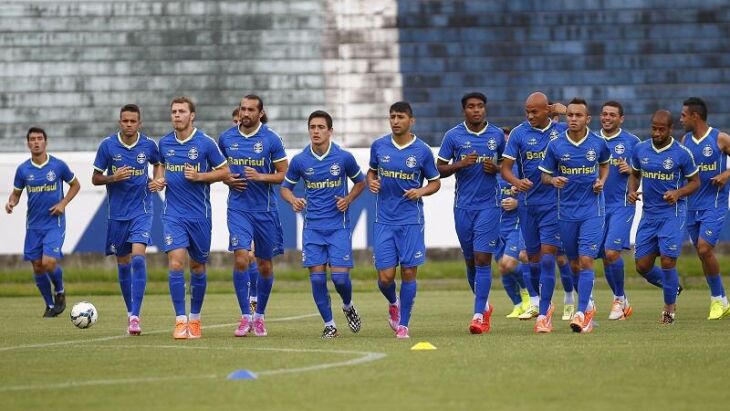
{"x":634,"y":364}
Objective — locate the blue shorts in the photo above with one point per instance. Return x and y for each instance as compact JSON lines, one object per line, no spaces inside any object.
{"x":706,"y":224}
{"x":121,"y":234}
{"x":321,"y":247}
{"x":263,"y":228}
{"x":40,"y":242}
{"x":539,"y":225}
{"x":193,"y":234}
{"x":582,"y":238}
{"x":510,"y":243}
{"x":660,"y":235}
{"x":478,"y":230}
{"x":398,"y":244}
{"x":617,"y":231}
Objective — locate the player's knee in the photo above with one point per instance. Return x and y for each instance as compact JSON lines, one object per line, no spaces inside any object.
{"x":612,"y":256}
{"x":562,"y":260}
{"x":37,"y":267}
{"x":523,"y":256}
{"x":266,"y":268}
{"x":176,"y":265}
{"x":196,"y":267}
{"x":668,"y":262}
{"x":241,"y":262}
{"x":482,"y":259}
{"x":704,"y":250}
{"x":49,"y":264}
{"x":584,"y":263}
{"x":507,"y":265}
{"x":408,"y":273}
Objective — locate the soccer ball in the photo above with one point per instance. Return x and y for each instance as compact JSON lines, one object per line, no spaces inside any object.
{"x":84,"y":314}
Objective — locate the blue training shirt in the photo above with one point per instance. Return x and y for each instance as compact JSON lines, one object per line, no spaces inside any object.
{"x":662,"y":170}
{"x":578,"y":162}
{"x":258,"y":150}
{"x":400,"y":168}
{"x":475,"y":189}
{"x":44,"y":184}
{"x":325,"y":177}
{"x":184,"y":198}
{"x":129,"y":198}
{"x":526,"y":146}
{"x":711,"y":161}
{"x":616,"y":190}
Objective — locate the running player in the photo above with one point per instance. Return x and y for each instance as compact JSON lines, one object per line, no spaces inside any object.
{"x":399,"y":162}
{"x":707,"y":207}
{"x":661,"y":165}
{"x":472,"y":150}
{"x":327,"y":236}
{"x":192,"y":163}
{"x":43,"y":176}
{"x":258,"y":161}
{"x":576,"y":164}
{"x":121,"y":164}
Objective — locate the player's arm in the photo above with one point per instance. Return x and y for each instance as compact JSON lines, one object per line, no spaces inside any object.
{"x":218,"y":173}
{"x":602,"y":176}
{"x":522,"y":185}
{"x":158,"y":182}
{"x":692,"y":185}
{"x":297,"y":204}
{"x":373,"y":181}
{"x":13,"y":200}
{"x":634,"y":181}
{"x":343,"y":203}
{"x":73,"y":188}
{"x":446,"y":169}
{"x":430,"y":188}
{"x":723,"y":142}
{"x":276,"y":177}
{"x":120,"y":174}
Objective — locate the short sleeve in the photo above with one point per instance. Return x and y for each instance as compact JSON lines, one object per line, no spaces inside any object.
{"x":352,"y":168}
{"x":215,"y":157}
{"x":154,"y":153}
{"x":222,"y":145}
{"x":293,"y":175}
{"x":101,"y":162}
{"x":605,"y":155}
{"x":689,"y":168}
{"x":500,"y":148}
{"x":429,"y":165}
{"x":65,"y":173}
{"x":277,"y":150}
{"x":512,"y":149}
{"x":446,"y":152}
{"x":549,"y":164}
{"x":635,"y":163}
{"x":373,"y":163}
{"x":19,"y":181}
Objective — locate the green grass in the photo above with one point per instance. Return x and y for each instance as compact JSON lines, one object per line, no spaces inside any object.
{"x":634,"y":364}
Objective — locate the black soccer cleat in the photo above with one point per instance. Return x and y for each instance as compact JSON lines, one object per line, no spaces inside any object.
{"x":353,"y":318}
{"x":59,"y":303}
{"x":330,"y":332}
{"x":666,"y":318}
{"x":50,"y":312}
{"x":679,"y":290}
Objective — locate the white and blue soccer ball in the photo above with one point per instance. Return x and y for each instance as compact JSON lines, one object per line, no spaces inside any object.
{"x":84,"y":314}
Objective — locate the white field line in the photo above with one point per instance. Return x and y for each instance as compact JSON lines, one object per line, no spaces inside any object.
{"x":116,"y":337}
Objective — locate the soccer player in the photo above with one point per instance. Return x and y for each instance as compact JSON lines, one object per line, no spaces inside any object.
{"x":619,"y":211}
{"x":576,"y":164}
{"x":234,"y":115}
{"x":399,"y":162}
{"x":707,"y":207}
{"x":472,"y":150}
{"x":327,"y":237}
{"x":192,"y":163}
{"x":258,"y":161}
{"x":43,"y":176}
{"x":661,"y":164}
{"x":121,"y":164}
{"x":538,"y":214}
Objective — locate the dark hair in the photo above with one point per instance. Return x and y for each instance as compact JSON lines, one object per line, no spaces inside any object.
{"x":235,"y":112}
{"x":131,"y":108}
{"x":578,"y":100}
{"x":401,"y":107}
{"x":697,"y":105}
{"x":476,"y":95}
{"x":616,"y":104}
{"x":185,"y":100}
{"x":264,"y":119}
{"x":665,"y":113}
{"x":36,"y":130}
{"x":321,"y":114}
{"x":506,"y":130}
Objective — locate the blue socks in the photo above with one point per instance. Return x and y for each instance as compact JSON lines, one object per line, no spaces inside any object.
{"x":139,"y":282}
{"x":585,"y":289}
{"x":566,"y":278}
{"x":240,"y":286}
{"x":715,"y":283}
{"x":343,"y":285}
{"x":482,"y":285}
{"x":509,"y":282}
{"x":535,"y":276}
{"x":547,"y":282}
{"x":471,"y":273}
{"x":618,"y":277}
{"x":56,"y":277}
{"x":407,"y":297}
{"x":388,"y":291}
{"x":517,"y":273}
{"x":253,"y":278}
{"x":671,"y":284}
{"x":176,"y":280}
{"x":125,"y":283}
{"x":198,"y":284}
{"x":263,"y":290}
{"x":44,"y":286}
{"x":655,"y":277}
{"x":321,"y":296}
{"x":608,"y":272}
{"x":527,"y":278}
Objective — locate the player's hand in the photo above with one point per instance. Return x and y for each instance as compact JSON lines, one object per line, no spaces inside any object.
{"x":237,"y":184}
{"x":343,"y":203}
{"x":524,"y":185}
{"x":58,"y":209}
{"x":469,"y":160}
{"x":374,"y":185}
{"x":298,"y":204}
{"x":122,"y":173}
{"x":9,"y":207}
{"x":413,"y":194}
{"x":671,"y":196}
{"x":623,"y":166}
{"x":634,"y":196}
{"x":191,"y":173}
{"x":598,"y":186}
{"x":489,"y":167}
{"x":509,"y":204}
{"x":157,"y":184}
{"x":720,"y":180}
{"x":252,"y":174}
{"x":559,"y":181}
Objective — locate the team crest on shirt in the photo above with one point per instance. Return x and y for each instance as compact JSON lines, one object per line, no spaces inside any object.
{"x":668,"y":163}
{"x":168,"y":239}
{"x":335,"y":169}
{"x":170,"y":153}
{"x":193,"y":153}
{"x":554,"y":134}
{"x":532,"y":141}
{"x":492,"y":144}
{"x":591,"y":155}
{"x":619,"y":149}
{"x":707,"y":151}
{"x":141,"y":158}
{"x":51,"y":176}
{"x":258,"y":148}
{"x":411,"y":161}
{"x":309,"y":171}
{"x":117,"y":157}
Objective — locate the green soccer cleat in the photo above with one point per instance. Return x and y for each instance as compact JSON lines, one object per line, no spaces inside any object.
{"x":717,"y":311}
{"x":516,"y":311}
{"x":568,"y":312}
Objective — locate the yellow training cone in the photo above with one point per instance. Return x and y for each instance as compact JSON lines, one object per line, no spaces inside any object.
{"x":423,"y":346}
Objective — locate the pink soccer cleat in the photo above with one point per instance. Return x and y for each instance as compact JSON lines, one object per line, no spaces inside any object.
{"x":259,"y":328}
{"x":244,"y":327}
{"x":134,"y":328}
{"x":394,"y":313}
{"x":402,"y":332}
